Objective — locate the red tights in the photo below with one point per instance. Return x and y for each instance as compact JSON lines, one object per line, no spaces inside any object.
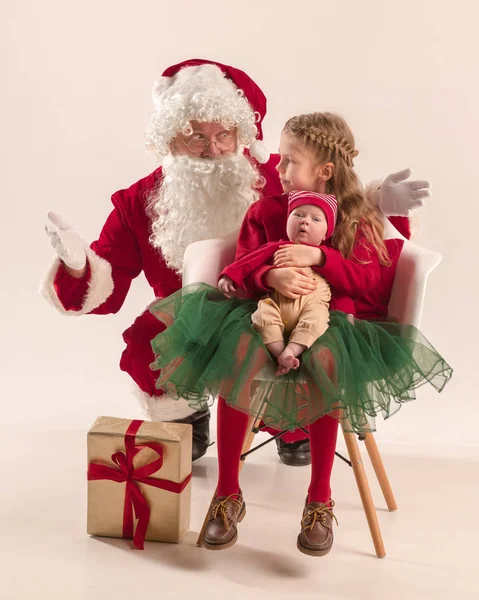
{"x":232,"y":425}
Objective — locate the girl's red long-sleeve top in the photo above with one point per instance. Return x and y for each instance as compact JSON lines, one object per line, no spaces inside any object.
{"x":361,"y":277}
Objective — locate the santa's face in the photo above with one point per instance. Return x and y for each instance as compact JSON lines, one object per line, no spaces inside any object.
{"x":207,"y":187}
{"x":206,"y":140}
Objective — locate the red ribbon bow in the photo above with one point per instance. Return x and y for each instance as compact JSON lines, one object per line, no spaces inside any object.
{"x":134,"y":498}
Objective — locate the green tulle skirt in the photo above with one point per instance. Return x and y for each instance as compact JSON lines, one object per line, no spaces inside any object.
{"x":353,"y":372}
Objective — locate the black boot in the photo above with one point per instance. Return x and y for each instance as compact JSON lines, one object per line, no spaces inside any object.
{"x":296,"y":454}
{"x":201,"y":431}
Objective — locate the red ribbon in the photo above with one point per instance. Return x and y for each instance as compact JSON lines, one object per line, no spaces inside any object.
{"x":134,"y":498}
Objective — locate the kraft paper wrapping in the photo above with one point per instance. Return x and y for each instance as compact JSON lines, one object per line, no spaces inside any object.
{"x":170,"y":512}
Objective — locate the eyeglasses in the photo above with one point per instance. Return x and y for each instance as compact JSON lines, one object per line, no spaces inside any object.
{"x":224,"y":142}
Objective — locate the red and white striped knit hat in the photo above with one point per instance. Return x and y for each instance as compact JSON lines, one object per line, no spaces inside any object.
{"x":326,"y":202}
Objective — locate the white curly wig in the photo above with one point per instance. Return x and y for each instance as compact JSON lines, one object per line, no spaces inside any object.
{"x":201,"y":93}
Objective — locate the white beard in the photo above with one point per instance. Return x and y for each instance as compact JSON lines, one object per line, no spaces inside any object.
{"x":199,"y":199}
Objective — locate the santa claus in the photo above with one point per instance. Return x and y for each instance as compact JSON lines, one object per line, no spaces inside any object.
{"x":206,"y":131}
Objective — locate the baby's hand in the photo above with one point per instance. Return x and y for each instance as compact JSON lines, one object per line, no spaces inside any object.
{"x":297,"y":255}
{"x":226,"y":285}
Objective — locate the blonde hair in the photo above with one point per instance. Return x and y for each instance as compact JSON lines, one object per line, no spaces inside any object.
{"x":331,"y":140}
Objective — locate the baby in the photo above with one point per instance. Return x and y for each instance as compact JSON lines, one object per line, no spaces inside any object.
{"x":311,"y":220}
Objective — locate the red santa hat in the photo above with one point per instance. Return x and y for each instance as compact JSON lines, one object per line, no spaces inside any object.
{"x":326,"y":202}
{"x":207,"y":91}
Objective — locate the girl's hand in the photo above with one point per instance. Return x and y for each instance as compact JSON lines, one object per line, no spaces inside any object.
{"x":291,"y":282}
{"x":226,"y":285}
{"x":297,"y":255}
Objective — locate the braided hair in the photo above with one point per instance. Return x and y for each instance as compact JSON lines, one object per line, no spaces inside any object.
{"x":331,"y":140}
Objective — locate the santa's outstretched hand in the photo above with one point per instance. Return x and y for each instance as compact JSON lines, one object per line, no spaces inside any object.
{"x":398,"y":196}
{"x":68,"y":244}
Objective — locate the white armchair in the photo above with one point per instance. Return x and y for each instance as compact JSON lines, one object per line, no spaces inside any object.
{"x":205,"y":260}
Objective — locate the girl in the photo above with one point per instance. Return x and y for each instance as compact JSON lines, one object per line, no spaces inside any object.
{"x":350,"y":372}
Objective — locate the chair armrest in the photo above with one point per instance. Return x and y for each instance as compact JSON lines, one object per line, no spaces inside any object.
{"x":204,"y":260}
{"x":409,"y":288}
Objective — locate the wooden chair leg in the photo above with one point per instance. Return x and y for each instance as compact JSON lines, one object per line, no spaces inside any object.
{"x":248,"y":441}
{"x":364,"y":492}
{"x":380,"y":471}
{"x":252,"y":423}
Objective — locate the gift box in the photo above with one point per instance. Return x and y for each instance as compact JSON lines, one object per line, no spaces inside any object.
{"x":139,"y":476}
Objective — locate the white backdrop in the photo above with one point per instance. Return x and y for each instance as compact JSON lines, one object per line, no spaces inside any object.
{"x":75,"y":104}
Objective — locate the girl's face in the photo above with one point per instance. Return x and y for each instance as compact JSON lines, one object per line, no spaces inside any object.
{"x":307,"y":225}
{"x":298,"y":168}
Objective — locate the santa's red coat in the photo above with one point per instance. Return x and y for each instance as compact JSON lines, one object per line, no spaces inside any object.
{"x":120,"y":254}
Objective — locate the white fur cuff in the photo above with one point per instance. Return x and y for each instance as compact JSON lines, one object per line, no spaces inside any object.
{"x":164,"y":408}
{"x":371,"y":191}
{"x":100,"y":286}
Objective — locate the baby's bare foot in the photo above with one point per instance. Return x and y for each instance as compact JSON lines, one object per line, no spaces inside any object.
{"x":282,"y":370}
{"x":286,"y":361}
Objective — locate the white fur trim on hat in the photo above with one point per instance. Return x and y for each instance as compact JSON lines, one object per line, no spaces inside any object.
{"x":258,"y":150}
{"x":100,"y":286}
{"x":199,"y":93}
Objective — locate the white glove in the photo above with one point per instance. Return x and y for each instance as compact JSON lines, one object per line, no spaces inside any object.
{"x":67,"y":242}
{"x":398,"y":196}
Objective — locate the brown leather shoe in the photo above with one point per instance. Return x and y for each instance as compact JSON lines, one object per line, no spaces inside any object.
{"x":316,"y":537}
{"x":225,"y":513}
